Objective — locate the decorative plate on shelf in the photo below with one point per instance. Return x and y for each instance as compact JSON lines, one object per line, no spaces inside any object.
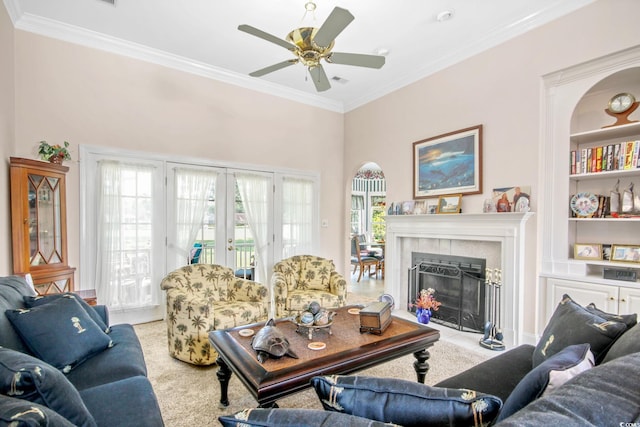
{"x":584,"y":204}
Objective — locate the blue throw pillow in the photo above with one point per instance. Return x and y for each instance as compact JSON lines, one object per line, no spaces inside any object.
{"x":61,"y":332}
{"x":403,"y":402}
{"x":549,"y":375}
{"x":36,"y":301}
{"x":22,"y":413}
{"x":27,"y":378}
{"x":628,"y":319}
{"x":295,"y":418}
{"x":573,"y":324}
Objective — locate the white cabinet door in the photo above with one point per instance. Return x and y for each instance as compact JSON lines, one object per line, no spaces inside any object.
{"x":629,"y":301}
{"x":603,"y":296}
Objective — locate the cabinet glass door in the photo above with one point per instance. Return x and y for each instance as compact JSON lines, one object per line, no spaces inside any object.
{"x":45,"y":239}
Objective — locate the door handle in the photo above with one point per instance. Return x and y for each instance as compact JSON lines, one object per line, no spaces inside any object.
{"x":230,"y":248}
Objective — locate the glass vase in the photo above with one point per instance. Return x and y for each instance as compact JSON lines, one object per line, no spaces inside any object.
{"x":423,"y":315}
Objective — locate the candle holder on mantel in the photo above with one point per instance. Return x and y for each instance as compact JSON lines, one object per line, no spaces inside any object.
{"x":492,"y":338}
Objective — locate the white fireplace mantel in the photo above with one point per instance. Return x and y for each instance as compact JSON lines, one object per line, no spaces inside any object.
{"x":505,"y":230}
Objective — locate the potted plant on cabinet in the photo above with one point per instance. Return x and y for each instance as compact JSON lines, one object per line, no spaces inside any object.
{"x":54,"y":153}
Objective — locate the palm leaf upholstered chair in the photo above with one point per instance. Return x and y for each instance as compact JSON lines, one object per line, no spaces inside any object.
{"x":206,"y":297}
{"x":301,"y":279}
{"x":361,"y":261}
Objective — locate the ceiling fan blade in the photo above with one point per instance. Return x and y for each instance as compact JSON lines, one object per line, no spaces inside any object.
{"x":272,"y":68}
{"x":335,"y":23}
{"x":357,"y":59}
{"x":319,"y":78}
{"x":266,"y":36}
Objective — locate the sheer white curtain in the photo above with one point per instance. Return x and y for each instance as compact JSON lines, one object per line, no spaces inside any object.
{"x":124,"y":235}
{"x":255,"y":191}
{"x":192,"y":188}
{"x":297,"y":216}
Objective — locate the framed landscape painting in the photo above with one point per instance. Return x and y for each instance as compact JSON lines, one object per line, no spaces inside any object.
{"x":448,"y":164}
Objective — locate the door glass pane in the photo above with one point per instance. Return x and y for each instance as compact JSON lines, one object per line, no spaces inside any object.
{"x":44,"y":217}
{"x":57,"y":221}
{"x":33,"y":222}
{"x":244,"y":242}
{"x":204,"y":248}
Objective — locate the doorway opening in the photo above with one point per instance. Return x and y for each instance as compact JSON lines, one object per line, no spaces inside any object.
{"x":367,"y":225}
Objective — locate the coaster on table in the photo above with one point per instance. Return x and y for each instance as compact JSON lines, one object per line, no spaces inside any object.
{"x":353,"y":311}
{"x":245,"y":332}
{"x":317,"y":345}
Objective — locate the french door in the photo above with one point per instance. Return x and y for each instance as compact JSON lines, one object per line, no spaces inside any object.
{"x":220,"y":216}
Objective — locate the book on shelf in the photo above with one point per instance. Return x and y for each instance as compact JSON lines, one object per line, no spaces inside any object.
{"x":612,"y":157}
{"x":628,"y":155}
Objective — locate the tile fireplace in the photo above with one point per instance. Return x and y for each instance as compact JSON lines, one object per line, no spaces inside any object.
{"x":498,"y":238}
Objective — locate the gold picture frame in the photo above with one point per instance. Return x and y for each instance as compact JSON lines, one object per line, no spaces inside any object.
{"x":587,"y":251}
{"x":448,"y":164}
{"x":625,"y":253}
{"x":449,"y":204}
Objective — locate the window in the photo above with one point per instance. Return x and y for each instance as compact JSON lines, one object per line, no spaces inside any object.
{"x":298,"y":213}
{"x":378,"y":211}
{"x":358,"y":215}
{"x":127,"y":244}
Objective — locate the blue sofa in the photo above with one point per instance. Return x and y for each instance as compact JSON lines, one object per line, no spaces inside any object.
{"x":62,"y":364}
{"x":583,"y":372}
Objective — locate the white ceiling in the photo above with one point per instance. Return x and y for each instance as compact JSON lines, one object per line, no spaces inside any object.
{"x":201,"y":36}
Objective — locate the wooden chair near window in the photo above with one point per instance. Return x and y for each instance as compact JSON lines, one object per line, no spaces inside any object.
{"x":360,"y":261}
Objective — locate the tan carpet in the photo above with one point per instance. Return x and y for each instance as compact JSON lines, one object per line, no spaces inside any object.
{"x":189,"y":395}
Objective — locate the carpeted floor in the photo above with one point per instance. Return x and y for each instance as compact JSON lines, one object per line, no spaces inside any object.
{"x":189,"y":394}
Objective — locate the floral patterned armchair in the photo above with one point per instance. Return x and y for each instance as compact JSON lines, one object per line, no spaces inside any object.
{"x":206,"y":297}
{"x":298,"y":280}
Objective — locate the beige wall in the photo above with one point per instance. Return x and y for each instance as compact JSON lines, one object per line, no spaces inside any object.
{"x":86,"y":96}
{"x":500,"y":89}
{"x":6,"y":138}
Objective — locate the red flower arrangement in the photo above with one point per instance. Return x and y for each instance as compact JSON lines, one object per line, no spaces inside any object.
{"x":426,"y":300}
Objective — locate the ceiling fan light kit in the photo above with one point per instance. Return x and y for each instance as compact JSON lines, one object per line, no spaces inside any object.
{"x":310,"y":45}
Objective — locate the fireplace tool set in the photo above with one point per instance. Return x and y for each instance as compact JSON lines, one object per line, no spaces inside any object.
{"x":492,"y":338}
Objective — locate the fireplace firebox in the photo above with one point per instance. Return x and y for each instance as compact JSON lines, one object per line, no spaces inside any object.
{"x":459,"y":284}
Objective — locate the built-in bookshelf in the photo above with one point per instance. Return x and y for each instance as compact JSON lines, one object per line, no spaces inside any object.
{"x":575,"y":122}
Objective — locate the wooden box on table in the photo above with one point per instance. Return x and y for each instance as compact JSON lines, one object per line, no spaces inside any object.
{"x":375,"y":317}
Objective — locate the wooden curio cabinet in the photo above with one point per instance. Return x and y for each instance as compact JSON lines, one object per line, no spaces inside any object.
{"x":39,"y":224}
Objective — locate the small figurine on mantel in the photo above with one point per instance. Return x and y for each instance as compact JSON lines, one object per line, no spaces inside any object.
{"x":620,"y":107}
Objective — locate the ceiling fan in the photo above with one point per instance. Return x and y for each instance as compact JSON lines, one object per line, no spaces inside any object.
{"x":310,"y":45}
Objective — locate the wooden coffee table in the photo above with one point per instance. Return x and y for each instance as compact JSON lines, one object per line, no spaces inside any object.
{"x":347,"y":351}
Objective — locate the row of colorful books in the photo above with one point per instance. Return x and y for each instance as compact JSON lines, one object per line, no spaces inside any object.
{"x":612,"y":157}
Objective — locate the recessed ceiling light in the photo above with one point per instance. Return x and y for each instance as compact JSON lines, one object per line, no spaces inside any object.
{"x":445,"y":15}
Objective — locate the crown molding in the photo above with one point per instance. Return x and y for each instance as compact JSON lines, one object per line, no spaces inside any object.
{"x":81,"y":36}
{"x":479,"y":45}
{"x":76,"y":35}
{"x":13,"y":9}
